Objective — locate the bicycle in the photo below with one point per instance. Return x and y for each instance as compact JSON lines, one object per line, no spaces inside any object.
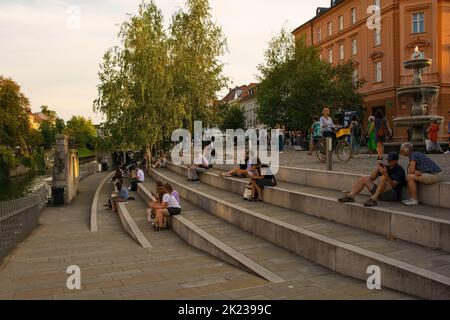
{"x":341,"y":146}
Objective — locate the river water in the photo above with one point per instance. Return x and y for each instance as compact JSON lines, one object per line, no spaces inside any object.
{"x":21,"y":186}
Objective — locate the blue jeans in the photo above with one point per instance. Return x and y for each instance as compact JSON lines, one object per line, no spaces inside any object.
{"x":355,"y":142}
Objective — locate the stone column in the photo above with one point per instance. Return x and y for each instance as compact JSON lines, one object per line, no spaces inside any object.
{"x":66,"y":169}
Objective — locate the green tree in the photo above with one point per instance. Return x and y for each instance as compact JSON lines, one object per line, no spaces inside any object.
{"x":135,"y":83}
{"x":196,"y":46}
{"x":231,"y":117}
{"x":51,"y":127}
{"x":14,"y":107}
{"x":82,"y":130}
{"x":295,"y":84}
{"x":49,"y":113}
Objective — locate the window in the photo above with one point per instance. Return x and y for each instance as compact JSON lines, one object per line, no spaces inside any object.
{"x":354,"y":47}
{"x":341,"y":23}
{"x":378,"y":75}
{"x":341,"y":52}
{"x":353,"y":15}
{"x":330,"y":28}
{"x":319,"y":34}
{"x":418,"y":22}
{"x":330,"y":55}
{"x":377,"y":37}
{"x":355,"y":76}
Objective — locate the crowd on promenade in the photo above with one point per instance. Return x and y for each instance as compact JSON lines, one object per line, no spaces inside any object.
{"x":385,"y":182}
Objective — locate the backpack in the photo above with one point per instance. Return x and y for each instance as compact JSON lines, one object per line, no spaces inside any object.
{"x":357,"y":130}
{"x":382,"y":131}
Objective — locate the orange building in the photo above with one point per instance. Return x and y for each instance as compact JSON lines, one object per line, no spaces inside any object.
{"x":342,"y":32}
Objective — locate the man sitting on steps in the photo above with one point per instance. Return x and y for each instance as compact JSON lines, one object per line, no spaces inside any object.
{"x":389,"y":188}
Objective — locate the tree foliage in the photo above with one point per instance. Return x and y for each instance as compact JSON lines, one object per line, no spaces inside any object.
{"x":295,"y":84}
{"x":82,"y":131}
{"x":14,"y":107}
{"x":231,"y":116}
{"x":155,"y":81}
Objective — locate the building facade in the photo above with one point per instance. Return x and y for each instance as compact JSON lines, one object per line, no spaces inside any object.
{"x":245,"y":96}
{"x":345,"y":31}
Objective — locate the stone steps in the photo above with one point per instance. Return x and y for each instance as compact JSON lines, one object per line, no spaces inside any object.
{"x":221,"y":239}
{"x":405,"y":267}
{"x":424,"y":225}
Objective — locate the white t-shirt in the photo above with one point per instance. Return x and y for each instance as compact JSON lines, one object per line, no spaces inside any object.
{"x":171,"y":201}
{"x":200,"y":159}
{"x":140,"y":175}
{"x":326,"y":124}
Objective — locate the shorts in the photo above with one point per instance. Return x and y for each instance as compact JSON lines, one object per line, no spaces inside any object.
{"x":390,"y":195}
{"x":174,"y":211}
{"x":262,"y":183}
{"x":430,"y":178}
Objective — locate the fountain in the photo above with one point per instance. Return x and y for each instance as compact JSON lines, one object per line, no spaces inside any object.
{"x":421,"y":95}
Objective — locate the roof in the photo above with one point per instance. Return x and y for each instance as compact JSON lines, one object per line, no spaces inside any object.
{"x":319,"y":12}
{"x":240,"y":93}
{"x":41,"y":116}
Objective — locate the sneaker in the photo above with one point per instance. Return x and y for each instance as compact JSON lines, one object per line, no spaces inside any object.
{"x":346,"y":199}
{"x":447,"y":152}
{"x":410,"y":202}
{"x":195,"y":181}
{"x":370,"y":203}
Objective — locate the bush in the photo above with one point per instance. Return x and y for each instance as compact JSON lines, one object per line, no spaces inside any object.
{"x":7,"y":162}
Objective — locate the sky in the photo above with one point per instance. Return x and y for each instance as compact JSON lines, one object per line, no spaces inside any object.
{"x":55,"y":57}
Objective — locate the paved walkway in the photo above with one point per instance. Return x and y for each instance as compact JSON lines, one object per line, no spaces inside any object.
{"x":113,"y":266}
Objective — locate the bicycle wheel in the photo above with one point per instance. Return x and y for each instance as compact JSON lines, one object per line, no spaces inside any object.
{"x":321,"y":151}
{"x":344,"y":151}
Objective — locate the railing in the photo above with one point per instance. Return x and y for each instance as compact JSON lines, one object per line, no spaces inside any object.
{"x":18,"y":218}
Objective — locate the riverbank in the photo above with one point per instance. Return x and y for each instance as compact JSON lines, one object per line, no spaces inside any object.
{"x":22,"y":186}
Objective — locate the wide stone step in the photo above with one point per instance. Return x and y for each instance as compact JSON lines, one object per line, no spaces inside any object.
{"x":424,"y":225}
{"x":436,"y":195}
{"x":219,"y":238}
{"x":405,"y":267}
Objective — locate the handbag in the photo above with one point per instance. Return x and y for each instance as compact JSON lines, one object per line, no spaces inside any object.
{"x":248,"y":194}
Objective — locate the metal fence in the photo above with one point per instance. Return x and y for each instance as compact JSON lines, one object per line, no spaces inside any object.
{"x":18,"y":218}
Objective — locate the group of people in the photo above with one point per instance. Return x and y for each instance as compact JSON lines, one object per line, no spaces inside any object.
{"x":167,"y":204}
{"x":121,"y":193}
{"x":386,"y":181}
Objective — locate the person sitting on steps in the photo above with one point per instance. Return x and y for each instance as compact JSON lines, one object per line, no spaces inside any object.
{"x":201,"y":165}
{"x":240,"y":172}
{"x":421,"y":169}
{"x":262,"y":178}
{"x":391,"y":180}
{"x":120,"y":196}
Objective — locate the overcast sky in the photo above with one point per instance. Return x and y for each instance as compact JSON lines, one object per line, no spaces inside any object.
{"x":56,"y":63}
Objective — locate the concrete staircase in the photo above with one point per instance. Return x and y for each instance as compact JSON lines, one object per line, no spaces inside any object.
{"x":345,"y":238}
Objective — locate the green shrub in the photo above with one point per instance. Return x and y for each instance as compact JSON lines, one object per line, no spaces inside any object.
{"x":7,"y":162}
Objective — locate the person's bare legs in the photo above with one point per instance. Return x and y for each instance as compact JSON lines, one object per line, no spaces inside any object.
{"x":383,"y":187}
{"x":362,"y":182}
{"x":259,"y":191}
{"x":380,"y":150}
{"x":412,"y":186}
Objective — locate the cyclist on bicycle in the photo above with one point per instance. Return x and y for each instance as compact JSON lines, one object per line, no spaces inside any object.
{"x":327,"y":125}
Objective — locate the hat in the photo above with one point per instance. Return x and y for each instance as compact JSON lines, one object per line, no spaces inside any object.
{"x":393,"y":156}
